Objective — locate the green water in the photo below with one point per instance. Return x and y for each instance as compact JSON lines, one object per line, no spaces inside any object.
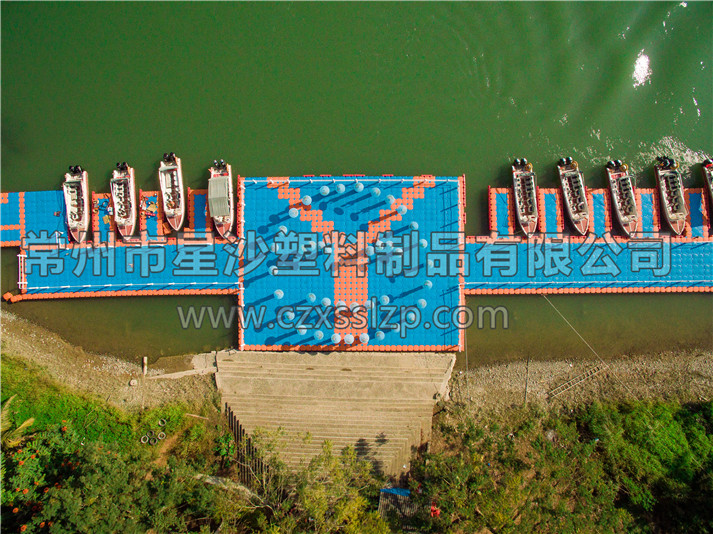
{"x":307,"y":88}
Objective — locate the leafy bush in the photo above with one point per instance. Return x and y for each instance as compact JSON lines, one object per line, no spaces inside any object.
{"x":641,"y":466}
{"x":60,"y":481}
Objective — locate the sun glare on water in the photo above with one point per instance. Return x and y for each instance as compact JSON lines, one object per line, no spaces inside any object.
{"x":642,"y":72}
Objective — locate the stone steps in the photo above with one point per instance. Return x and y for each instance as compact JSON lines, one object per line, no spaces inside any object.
{"x":325,"y":432}
{"x":379,"y":403}
{"x":330,"y":401}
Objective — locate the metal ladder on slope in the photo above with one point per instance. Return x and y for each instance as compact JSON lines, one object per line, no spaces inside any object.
{"x":589,"y":373}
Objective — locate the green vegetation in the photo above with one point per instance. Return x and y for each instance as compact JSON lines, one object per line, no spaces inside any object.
{"x":83,"y":469}
{"x":636,"y":467}
{"x":48,"y":403}
{"x":80,"y":467}
{"x":332,"y":493}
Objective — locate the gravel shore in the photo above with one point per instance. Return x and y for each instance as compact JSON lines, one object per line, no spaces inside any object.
{"x":686,"y":376}
{"x":104,"y":376}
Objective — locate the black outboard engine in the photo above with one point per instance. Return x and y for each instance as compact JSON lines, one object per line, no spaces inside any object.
{"x":165,"y":157}
{"x":618,"y":163}
{"x":524,"y":161}
{"x":516,"y":163}
{"x":569,"y":160}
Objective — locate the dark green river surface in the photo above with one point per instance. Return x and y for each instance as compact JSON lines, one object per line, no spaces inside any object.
{"x":309,"y":88}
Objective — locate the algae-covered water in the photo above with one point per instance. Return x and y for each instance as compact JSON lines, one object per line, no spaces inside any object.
{"x":372,"y":88}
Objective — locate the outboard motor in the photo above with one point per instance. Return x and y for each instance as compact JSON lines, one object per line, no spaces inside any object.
{"x":165,"y":157}
{"x":524,"y":161}
{"x":569,"y":160}
{"x":517,"y":162}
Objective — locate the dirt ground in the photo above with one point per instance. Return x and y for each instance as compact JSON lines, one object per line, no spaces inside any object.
{"x":686,"y":376}
{"x":104,"y":376}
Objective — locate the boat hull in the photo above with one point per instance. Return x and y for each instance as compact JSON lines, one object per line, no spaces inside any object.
{"x":80,"y":236}
{"x":622,"y":194}
{"x":671,"y":199}
{"x":574,"y":193}
{"x":708,"y":178}
{"x":223,"y":229}
{"x":170,"y":177}
{"x":525,"y":199}
{"x":76,"y":198}
{"x":175,"y":222}
{"x":123,"y":195}
{"x":223,"y":224}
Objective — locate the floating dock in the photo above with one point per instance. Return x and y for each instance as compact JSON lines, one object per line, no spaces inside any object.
{"x":376,"y":241}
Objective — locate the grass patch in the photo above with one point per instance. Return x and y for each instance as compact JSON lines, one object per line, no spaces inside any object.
{"x":50,"y":403}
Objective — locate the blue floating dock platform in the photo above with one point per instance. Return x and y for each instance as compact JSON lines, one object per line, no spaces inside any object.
{"x":373,"y":250}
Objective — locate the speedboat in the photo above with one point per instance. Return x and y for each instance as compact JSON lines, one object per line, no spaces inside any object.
{"x":170,"y":177}
{"x":220,"y":197}
{"x":76,"y":199}
{"x":708,"y":175}
{"x":123,"y":196}
{"x":622,"y":196}
{"x":673,"y":204}
{"x":524,"y":183}
{"x":575,"y":194}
